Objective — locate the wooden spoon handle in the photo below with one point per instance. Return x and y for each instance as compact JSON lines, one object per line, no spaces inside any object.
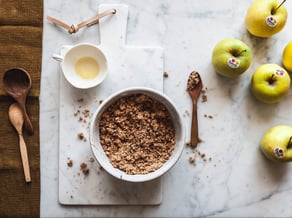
{"x":27,"y":123}
{"x":24,"y":158}
{"x":194,"y":129}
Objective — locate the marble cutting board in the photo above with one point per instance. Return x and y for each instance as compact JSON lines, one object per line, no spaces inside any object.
{"x":128,"y":66}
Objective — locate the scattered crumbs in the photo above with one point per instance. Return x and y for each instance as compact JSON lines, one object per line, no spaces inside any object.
{"x":84,"y":169}
{"x":81,"y":136}
{"x":76,"y":113}
{"x":83,"y":165}
{"x":86,"y":112}
{"x":204,"y":96}
{"x":186,"y":113}
{"x":69,"y":162}
{"x":165,"y":74}
{"x":192,"y":160}
{"x":209,"y":116}
{"x":100,"y":101}
{"x":80,"y":100}
{"x":196,"y":154}
{"x":71,"y":196}
{"x":91,"y":159}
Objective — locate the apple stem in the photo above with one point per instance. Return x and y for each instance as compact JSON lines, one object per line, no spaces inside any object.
{"x":289,"y":142}
{"x":237,"y":54}
{"x":271,"y":80}
{"x":274,"y":10}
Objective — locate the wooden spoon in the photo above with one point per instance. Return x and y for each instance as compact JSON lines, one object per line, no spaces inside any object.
{"x":17,"y":83}
{"x":194,"y":88}
{"x":16,"y":118}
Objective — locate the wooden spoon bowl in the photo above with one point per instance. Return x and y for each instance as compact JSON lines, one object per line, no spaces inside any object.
{"x":17,"y":83}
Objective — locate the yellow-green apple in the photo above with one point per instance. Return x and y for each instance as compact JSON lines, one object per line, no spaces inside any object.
{"x":270,"y":83}
{"x":276,"y":143}
{"x":287,"y":57}
{"x":265,"y":18}
{"x":231,"y":57}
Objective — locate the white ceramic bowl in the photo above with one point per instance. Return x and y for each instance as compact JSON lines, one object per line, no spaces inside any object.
{"x":102,"y":157}
{"x":73,"y":55}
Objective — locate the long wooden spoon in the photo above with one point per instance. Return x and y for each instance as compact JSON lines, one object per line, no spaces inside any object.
{"x":17,"y":83}
{"x":16,"y":118}
{"x":194,"y":88}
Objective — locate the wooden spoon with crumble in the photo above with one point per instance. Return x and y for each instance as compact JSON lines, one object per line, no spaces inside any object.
{"x":194,"y":88}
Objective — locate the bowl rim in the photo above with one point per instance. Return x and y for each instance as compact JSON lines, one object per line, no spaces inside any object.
{"x":98,"y":151}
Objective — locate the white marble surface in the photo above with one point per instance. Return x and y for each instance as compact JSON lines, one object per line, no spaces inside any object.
{"x":238,"y":181}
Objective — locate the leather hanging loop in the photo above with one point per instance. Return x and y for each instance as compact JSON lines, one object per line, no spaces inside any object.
{"x":74,"y":28}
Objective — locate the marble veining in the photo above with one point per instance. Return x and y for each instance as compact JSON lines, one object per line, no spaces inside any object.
{"x":238,"y":181}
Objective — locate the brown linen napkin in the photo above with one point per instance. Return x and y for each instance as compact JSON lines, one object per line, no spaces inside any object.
{"x":21,"y":24}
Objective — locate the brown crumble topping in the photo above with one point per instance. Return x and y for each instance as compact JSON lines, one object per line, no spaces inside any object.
{"x":193,"y":80}
{"x":137,"y":134}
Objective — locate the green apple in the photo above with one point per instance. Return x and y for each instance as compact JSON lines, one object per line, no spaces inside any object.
{"x":231,"y":57}
{"x":276,"y":143}
{"x":270,"y":83}
{"x":265,"y":18}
